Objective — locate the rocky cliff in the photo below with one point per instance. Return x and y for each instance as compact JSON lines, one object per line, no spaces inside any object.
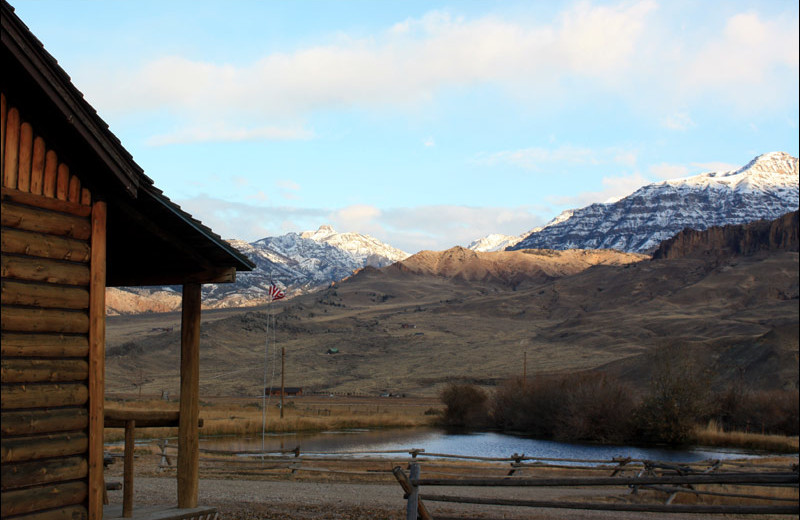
{"x":744,"y":239}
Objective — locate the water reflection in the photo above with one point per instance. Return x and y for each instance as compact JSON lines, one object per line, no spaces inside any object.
{"x":484,"y":444}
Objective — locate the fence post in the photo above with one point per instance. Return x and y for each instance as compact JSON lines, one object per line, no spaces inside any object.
{"x":164,"y":456}
{"x":413,"y":495}
{"x":127,"y":477}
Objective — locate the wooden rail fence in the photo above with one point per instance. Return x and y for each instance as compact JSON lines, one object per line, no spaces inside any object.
{"x":635,"y":475}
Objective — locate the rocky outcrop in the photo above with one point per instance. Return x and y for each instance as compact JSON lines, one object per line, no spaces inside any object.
{"x":746,"y":239}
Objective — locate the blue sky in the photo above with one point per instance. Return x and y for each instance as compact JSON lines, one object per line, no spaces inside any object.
{"x":426,"y":124}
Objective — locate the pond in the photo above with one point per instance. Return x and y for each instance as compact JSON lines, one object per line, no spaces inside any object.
{"x":484,"y":444}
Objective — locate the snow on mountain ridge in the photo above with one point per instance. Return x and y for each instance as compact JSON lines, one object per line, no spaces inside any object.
{"x":765,"y":188}
{"x":364,"y":247}
{"x":494,"y":242}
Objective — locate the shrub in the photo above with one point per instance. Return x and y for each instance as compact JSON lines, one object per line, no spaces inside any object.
{"x":597,"y":408}
{"x":465,"y":405}
{"x":676,"y":400}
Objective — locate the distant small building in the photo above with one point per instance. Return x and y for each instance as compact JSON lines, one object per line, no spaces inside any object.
{"x":288,"y":391}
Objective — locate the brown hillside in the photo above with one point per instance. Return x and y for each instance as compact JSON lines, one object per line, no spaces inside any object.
{"x":402,"y":331}
{"x":511,"y":267}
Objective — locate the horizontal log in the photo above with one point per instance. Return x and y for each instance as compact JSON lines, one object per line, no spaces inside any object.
{"x":44,"y":270}
{"x":45,"y":246}
{"x":24,"y":449}
{"x":51,"y":222}
{"x":116,"y":418}
{"x":719,"y":478}
{"x":614,"y":506}
{"x":28,"y":319}
{"x":15,"y":397}
{"x":35,"y":422}
{"x":21,"y":501}
{"x":43,"y":345}
{"x":36,"y":473}
{"x":43,"y":370}
{"x":44,"y":295}
{"x":76,"y":512}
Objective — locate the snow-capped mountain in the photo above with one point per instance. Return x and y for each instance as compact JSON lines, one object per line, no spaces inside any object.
{"x":365,"y":248}
{"x":495,"y":242}
{"x":765,"y":188}
{"x":299,"y":263}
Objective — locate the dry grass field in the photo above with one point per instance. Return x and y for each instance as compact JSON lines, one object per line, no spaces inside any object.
{"x":237,"y":416}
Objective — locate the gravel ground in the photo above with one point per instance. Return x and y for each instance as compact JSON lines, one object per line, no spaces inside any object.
{"x":270,"y":499}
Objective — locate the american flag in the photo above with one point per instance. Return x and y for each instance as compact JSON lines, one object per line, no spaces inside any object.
{"x":275,"y":293}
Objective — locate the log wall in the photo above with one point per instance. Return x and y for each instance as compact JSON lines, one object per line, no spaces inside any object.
{"x":49,"y":397}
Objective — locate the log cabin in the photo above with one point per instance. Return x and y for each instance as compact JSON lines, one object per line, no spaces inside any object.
{"x":79,"y":215}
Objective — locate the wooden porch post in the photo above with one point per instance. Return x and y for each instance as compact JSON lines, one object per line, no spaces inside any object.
{"x":188,"y":442}
{"x":97,"y":350}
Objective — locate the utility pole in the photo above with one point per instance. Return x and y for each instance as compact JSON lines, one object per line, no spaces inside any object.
{"x":524,"y":369}
{"x":283,"y":371}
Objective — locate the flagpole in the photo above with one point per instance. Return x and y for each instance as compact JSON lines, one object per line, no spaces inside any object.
{"x":274,"y":294}
{"x":264,"y":386}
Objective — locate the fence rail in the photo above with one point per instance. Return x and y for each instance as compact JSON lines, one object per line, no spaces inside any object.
{"x":720,"y":479}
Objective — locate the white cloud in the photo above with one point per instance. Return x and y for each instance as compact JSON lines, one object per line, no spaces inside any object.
{"x":582,"y":54}
{"x":429,"y":142}
{"x":411,"y":229}
{"x":406,"y":64}
{"x":747,"y":65}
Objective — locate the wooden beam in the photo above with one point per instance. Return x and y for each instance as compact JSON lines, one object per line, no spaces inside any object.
{"x":62,"y":182}
{"x":44,"y":295}
{"x":43,"y":202}
{"x":25,"y":157}
{"x":43,"y":345}
{"x":32,"y":422}
{"x":36,"y":473}
{"x":44,"y":395}
{"x":97,"y":350}
{"x":30,"y":319}
{"x":44,"y":270}
{"x":50,"y":174}
{"x":52,"y":496}
{"x":28,"y":243}
{"x":11,"y":163}
{"x":3,"y":112}
{"x":22,"y":449}
{"x":222,"y":275}
{"x":188,"y":447}
{"x":37,"y":166}
{"x":43,"y":370}
{"x":30,"y":219}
